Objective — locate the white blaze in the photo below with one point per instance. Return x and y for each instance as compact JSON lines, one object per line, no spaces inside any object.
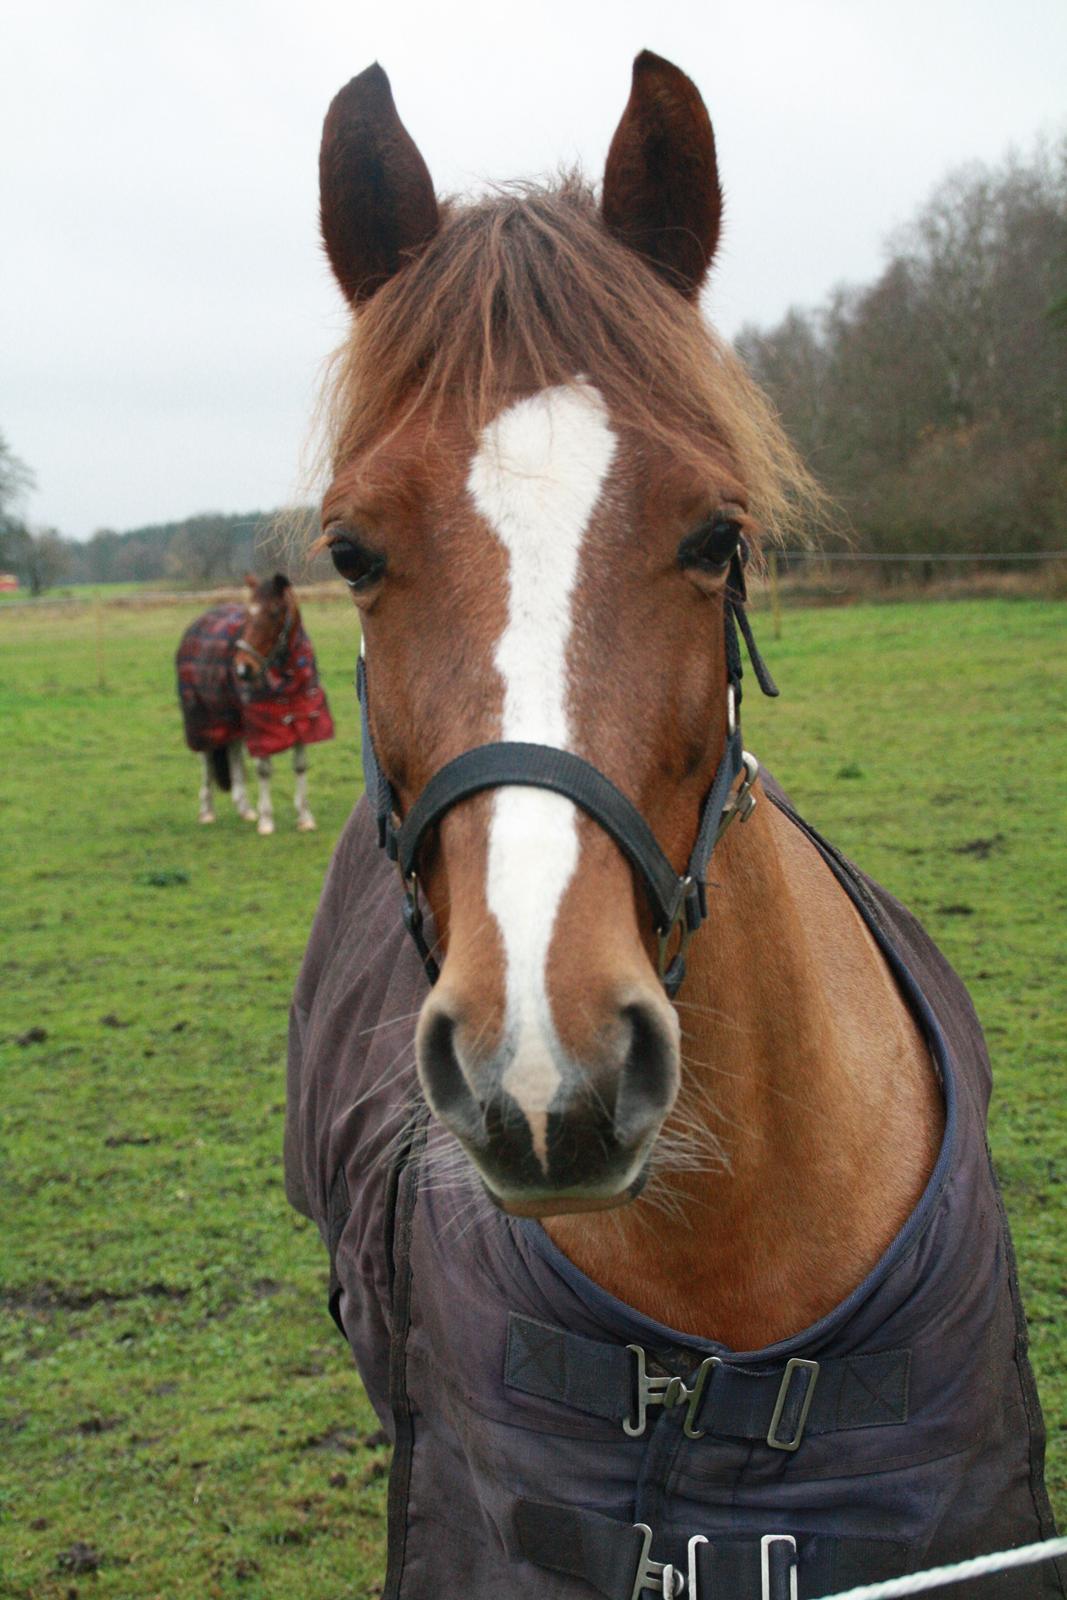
{"x":536,"y":478}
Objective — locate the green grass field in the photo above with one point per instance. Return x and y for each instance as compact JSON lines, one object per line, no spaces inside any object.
{"x":178,"y":1416}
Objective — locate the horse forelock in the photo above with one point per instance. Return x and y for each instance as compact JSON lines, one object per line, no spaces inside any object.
{"x":526,"y":290}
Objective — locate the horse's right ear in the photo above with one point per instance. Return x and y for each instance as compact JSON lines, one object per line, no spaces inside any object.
{"x":251,"y":580}
{"x":375,"y":191}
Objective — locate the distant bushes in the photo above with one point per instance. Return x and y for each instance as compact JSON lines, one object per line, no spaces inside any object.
{"x":931,"y":403}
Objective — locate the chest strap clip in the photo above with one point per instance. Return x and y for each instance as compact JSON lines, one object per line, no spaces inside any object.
{"x":659,"y":1576}
{"x":669,"y":1392}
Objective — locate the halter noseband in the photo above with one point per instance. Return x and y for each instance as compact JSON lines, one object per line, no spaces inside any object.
{"x":679,"y":903}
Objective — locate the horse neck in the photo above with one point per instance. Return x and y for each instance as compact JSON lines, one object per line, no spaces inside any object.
{"x":808,"y":1121}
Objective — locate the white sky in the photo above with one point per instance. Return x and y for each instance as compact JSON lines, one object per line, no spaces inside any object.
{"x":164,"y":304}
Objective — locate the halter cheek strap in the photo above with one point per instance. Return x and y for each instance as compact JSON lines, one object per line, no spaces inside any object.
{"x":679,"y":903}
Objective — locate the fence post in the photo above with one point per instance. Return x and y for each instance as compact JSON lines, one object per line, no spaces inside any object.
{"x":98,"y":618}
{"x":776,"y":599}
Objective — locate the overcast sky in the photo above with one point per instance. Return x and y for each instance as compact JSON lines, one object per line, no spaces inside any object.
{"x":164,"y":304}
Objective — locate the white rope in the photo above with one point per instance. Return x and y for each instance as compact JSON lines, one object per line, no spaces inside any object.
{"x":922,"y":555}
{"x":934,"y":1577}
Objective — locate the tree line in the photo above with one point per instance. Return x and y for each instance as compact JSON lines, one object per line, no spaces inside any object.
{"x":932,"y":403}
{"x":210,"y":548}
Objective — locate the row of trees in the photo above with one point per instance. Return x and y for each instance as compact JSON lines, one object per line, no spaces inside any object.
{"x":207,"y":549}
{"x":211,"y":548}
{"x":932,"y":404}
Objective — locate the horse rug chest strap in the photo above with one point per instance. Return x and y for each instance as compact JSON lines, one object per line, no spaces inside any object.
{"x":776,"y":1405}
{"x":618,"y":1561}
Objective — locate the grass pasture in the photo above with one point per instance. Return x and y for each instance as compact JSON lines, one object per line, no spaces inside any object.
{"x":178,"y":1418}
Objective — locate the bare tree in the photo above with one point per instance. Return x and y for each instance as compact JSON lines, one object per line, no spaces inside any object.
{"x":16,"y":480}
{"x":931,"y":402}
{"x":45,"y":560}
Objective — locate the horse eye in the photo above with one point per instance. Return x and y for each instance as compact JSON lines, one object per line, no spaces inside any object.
{"x":358,"y":566}
{"x":712,"y":545}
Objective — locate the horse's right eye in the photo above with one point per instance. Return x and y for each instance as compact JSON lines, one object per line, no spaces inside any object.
{"x":358,"y":566}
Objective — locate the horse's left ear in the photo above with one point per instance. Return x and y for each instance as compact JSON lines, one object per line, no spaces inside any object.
{"x":375,"y":191}
{"x":661,"y":182}
{"x":281,"y":583}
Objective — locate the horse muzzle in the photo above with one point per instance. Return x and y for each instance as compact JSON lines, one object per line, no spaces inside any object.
{"x":548,"y":1133}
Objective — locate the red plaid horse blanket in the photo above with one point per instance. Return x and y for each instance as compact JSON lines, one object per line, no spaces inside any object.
{"x":288,"y":706}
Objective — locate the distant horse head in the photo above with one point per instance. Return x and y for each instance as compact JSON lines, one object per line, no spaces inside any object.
{"x":271,"y":616}
{"x":544,"y":462}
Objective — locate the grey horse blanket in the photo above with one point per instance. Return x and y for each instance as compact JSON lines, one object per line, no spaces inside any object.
{"x":903,"y":1430}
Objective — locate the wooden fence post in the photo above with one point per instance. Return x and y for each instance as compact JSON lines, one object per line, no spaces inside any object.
{"x":776,"y":599}
{"x":98,"y":618}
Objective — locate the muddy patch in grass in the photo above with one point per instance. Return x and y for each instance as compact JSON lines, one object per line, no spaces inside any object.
{"x":43,"y":1298}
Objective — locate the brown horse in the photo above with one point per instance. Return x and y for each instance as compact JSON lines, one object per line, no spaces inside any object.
{"x":247,"y":677}
{"x":547,"y":475}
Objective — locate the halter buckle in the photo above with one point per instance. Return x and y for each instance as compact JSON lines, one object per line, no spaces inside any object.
{"x":742,"y":803}
{"x":661,"y":1576}
{"x":668,"y":1392}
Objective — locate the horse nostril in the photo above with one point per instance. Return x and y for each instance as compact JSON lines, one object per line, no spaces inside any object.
{"x":648,"y":1080}
{"x":443,"y":1079}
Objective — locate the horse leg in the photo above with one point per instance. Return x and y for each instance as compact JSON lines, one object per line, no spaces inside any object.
{"x":207,"y":808}
{"x":266,"y":810}
{"x":305,"y":822}
{"x":245,"y":810}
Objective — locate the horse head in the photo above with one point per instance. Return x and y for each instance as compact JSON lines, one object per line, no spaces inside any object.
{"x":271,"y":615}
{"x":544,"y":466}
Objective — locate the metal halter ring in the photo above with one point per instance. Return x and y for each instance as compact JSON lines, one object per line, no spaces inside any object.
{"x":665,"y":935}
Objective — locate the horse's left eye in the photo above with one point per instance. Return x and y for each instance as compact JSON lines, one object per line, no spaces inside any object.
{"x":358,"y":566}
{"x":712,"y":545}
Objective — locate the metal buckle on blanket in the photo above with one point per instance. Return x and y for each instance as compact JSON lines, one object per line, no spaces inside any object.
{"x":794,"y":1364}
{"x":742,"y":804}
{"x":669,"y":1392}
{"x":769,"y":1589}
{"x":767,"y":1592}
{"x":697,"y":1539}
{"x":659,"y":1575}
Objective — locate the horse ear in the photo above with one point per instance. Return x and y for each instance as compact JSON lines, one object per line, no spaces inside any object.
{"x":375,"y":191}
{"x":252,"y":581}
{"x":661,"y":183}
{"x":281,"y":583}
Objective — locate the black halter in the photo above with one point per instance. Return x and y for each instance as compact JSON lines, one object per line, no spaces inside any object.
{"x":679,"y":904}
